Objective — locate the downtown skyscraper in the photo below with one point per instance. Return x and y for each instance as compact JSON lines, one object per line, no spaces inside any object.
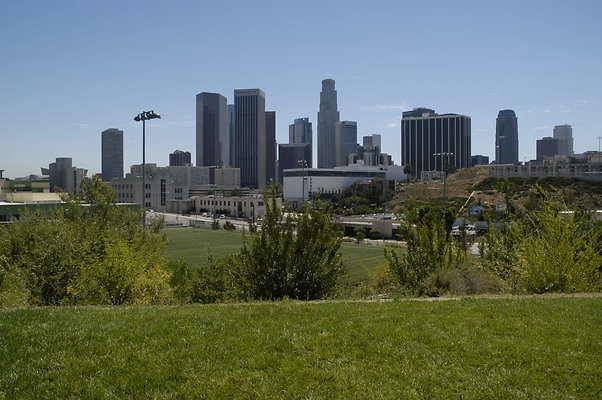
{"x":300,"y":132}
{"x":328,"y":116}
{"x":430,"y":141}
{"x":270,"y":146}
{"x":250,"y":137}
{"x":112,"y":154}
{"x":212,"y":133}
{"x":345,"y":141}
{"x":564,"y":134}
{"x":506,"y":137}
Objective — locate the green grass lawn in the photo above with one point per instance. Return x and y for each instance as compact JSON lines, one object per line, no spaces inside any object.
{"x":522,"y":348}
{"x":194,"y":244}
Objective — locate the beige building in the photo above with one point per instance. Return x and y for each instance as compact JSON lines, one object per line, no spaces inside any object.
{"x":167,"y":184}
{"x":240,"y":207}
{"x":26,"y":191}
{"x":586,"y":166}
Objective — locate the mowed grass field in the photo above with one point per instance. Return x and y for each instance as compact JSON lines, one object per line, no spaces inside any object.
{"x":194,"y":246}
{"x":517,"y":348}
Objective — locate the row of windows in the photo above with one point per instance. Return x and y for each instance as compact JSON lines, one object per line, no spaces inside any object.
{"x":126,"y":195}
{"x":342,"y":174}
{"x":226,"y":203}
{"x":123,"y":186}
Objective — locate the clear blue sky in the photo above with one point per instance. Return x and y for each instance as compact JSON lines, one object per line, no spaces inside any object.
{"x":70,"y":69}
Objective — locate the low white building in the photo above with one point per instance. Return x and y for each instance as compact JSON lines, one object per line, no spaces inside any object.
{"x":165,"y":184}
{"x":303,"y":183}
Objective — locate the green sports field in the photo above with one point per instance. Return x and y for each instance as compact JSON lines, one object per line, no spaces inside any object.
{"x":194,"y":246}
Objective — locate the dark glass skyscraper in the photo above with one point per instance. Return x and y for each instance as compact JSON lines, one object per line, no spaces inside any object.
{"x":250,"y":137}
{"x":301,"y":132}
{"x":424,"y":134}
{"x":179,"y":158}
{"x":547,"y":147}
{"x":270,"y":145}
{"x":328,"y":116}
{"x":345,"y":141}
{"x":112,"y":154}
{"x":506,"y":137}
{"x":212,"y":134}
{"x":292,"y":156}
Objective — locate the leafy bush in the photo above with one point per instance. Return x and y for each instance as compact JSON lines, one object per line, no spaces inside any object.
{"x":229,"y":226}
{"x":544,"y":250}
{"x":210,"y":284}
{"x":429,"y":248}
{"x":86,"y":255}
{"x":465,"y":280}
{"x":296,"y":257}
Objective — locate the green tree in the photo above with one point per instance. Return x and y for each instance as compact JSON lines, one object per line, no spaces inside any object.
{"x":291,"y":256}
{"x":546,"y":249}
{"x":360,"y":233}
{"x":407,"y":169}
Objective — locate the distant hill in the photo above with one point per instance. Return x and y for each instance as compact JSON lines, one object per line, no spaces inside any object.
{"x":491,"y":191}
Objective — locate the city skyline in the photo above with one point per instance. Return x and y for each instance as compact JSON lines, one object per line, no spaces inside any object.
{"x":71,"y":71}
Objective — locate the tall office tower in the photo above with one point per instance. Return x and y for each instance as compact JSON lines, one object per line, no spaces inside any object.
{"x":212,"y":134}
{"x":293,"y":155}
{"x":426,"y":136}
{"x":547,"y":147}
{"x":345,"y":141}
{"x":372,"y":142}
{"x":250,"y":137}
{"x":179,"y":158}
{"x":61,"y":174}
{"x":301,"y":132}
{"x":328,"y":116}
{"x":564,"y":134}
{"x":270,"y":146}
{"x":112,"y":154}
{"x":231,"y":125}
{"x":506,"y":137}
{"x":64,"y":175}
{"x":370,"y":152}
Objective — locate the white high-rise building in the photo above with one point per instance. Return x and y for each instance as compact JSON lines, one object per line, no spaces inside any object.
{"x":564,"y":134}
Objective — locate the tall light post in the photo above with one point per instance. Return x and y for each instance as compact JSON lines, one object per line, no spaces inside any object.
{"x":303,"y":165}
{"x":143,"y":116}
{"x":444,"y":166}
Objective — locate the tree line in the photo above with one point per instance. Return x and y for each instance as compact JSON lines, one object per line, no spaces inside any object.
{"x":101,"y":254}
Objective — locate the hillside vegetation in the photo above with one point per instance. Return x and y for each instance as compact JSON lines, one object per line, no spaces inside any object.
{"x":489,"y":191}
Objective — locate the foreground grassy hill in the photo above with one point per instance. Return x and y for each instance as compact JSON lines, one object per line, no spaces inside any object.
{"x":517,"y":348}
{"x":194,"y":245}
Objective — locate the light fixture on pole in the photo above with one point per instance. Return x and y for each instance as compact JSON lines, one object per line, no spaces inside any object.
{"x":143,"y":116}
{"x":302,"y":164}
{"x":444,"y":166}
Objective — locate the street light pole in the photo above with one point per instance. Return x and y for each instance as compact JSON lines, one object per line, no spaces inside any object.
{"x":444,"y":166}
{"x":303,"y":165}
{"x":143,"y":116}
